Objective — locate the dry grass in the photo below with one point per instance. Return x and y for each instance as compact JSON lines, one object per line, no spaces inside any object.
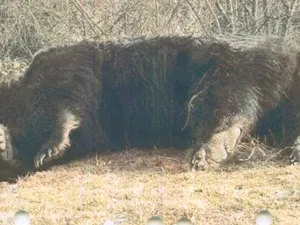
{"x":11,"y":70}
{"x":130,"y":186}
{"x":27,"y":26}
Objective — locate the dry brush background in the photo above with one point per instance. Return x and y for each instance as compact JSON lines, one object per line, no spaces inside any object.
{"x":27,"y":25}
{"x":131,"y":186}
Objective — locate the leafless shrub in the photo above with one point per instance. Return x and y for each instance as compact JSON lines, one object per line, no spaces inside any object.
{"x":29,"y":25}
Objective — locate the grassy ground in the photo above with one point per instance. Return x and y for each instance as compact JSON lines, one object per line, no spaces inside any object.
{"x":131,"y":186}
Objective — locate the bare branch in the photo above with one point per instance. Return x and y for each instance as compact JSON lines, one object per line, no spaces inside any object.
{"x":266,"y":15}
{"x":285,"y":5}
{"x":232,"y":16}
{"x":293,"y":7}
{"x":88,"y":18}
{"x":174,"y":11}
{"x":290,"y":13}
{"x":190,"y":104}
{"x":222,"y":11}
{"x":254,"y":9}
{"x":216,"y":18}
{"x":198,"y":18}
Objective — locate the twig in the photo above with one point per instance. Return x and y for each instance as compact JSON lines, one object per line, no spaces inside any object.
{"x":261,"y":26}
{"x":174,"y":11}
{"x":168,"y":158}
{"x":88,"y":18}
{"x":222,"y":11}
{"x":123,"y":14}
{"x":266,"y":15}
{"x":249,"y":157}
{"x":254,"y":9}
{"x":232,"y":17}
{"x":290,"y":13}
{"x":213,"y":13}
{"x":198,"y":18}
{"x":190,"y":104}
{"x":277,"y":153}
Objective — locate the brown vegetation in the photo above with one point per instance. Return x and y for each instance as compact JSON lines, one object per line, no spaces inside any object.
{"x":27,"y":26}
{"x":131,"y":186}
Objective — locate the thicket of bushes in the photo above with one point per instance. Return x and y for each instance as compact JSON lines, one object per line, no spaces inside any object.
{"x":28,"y":25}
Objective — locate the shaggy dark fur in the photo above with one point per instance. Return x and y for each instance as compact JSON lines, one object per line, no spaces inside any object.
{"x":148,"y":83}
{"x":57,"y":95}
{"x":152,"y":85}
{"x":240,"y":87}
{"x":149,"y":89}
{"x":145,"y":88}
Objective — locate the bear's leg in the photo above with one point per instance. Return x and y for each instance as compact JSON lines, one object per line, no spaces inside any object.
{"x":7,"y":152}
{"x":227,"y":112}
{"x":216,"y":149}
{"x":60,"y":138}
{"x":2,"y":138}
{"x":295,"y":155}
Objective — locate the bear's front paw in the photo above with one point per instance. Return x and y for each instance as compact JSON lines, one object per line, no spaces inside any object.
{"x":44,"y":156}
{"x":2,"y":139}
{"x":198,"y":161}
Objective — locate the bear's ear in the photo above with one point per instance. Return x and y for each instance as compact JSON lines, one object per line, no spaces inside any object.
{"x":38,"y":64}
